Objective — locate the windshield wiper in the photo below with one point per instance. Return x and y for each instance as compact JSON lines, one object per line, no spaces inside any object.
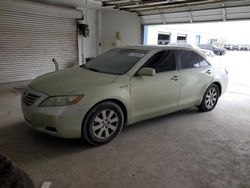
{"x":93,"y":69}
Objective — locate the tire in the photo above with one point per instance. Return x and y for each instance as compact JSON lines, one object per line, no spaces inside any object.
{"x":102,"y":123}
{"x":210,"y":98}
{"x":217,"y":53}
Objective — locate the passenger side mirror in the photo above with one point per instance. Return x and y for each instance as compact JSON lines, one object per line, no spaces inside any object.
{"x":146,"y":71}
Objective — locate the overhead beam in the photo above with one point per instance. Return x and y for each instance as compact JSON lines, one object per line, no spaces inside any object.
{"x":118,"y":2}
{"x":134,"y":4}
{"x":174,"y":5}
{"x":192,"y":8}
{"x":149,"y":3}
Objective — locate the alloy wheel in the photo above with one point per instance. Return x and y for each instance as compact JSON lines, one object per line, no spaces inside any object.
{"x":105,"y":124}
{"x":211,"y":98}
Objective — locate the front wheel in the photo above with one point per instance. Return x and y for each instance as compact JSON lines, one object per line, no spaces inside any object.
{"x":103,"y":123}
{"x":210,"y":98}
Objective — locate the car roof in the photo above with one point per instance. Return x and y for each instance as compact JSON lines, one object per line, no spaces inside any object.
{"x":151,"y":48}
{"x":181,"y":45}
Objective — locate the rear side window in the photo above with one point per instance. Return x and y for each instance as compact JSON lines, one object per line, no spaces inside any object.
{"x":162,"y":61}
{"x":203,"y":62}
{"x":188,"y":59}
{"x":205,"y":46}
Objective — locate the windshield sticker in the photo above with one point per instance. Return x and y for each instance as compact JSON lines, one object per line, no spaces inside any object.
{"x":136,"y":54}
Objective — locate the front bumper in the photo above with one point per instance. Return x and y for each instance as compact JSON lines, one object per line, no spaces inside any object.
{"x":63,"y":121}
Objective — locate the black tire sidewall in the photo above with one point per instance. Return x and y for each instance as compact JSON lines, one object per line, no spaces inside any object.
{"x":218,"y":53}
{"x":87,"y":132}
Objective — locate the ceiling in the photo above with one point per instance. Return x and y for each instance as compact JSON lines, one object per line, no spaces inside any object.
{"x":95,"y":4}
{"x":169,"y":11}
{"x":150,"y":7}
{"x":143,"y":6}
{"x":183,"y":11}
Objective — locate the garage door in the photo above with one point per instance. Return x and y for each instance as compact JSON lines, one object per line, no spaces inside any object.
{"x":184,"y":11}
{"x":31,"y":34}
{"x":197,"y":12}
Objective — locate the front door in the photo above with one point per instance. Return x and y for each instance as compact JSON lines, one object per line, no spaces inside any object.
{"x":156,"y":95}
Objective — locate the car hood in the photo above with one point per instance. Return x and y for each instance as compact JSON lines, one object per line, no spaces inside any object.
{"x":70,"y":81}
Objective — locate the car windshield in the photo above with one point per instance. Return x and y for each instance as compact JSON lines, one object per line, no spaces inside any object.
{"x":116,"y":61}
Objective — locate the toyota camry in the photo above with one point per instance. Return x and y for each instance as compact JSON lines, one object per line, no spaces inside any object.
{"x":122,"y":86}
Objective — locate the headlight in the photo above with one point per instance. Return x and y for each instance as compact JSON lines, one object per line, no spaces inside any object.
{"x":61,"y":100}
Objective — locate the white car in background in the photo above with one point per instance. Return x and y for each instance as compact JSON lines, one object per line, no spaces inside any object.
{"x":208,"y":53}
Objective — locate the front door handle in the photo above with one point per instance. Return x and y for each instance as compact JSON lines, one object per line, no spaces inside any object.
{"x":175,"y":78}
{"x":208,"y":72}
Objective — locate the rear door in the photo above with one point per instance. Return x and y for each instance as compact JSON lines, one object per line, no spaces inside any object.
{"x":196,"y":76}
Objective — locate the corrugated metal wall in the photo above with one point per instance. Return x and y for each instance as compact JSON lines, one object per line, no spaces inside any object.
{"x":31,"y":34}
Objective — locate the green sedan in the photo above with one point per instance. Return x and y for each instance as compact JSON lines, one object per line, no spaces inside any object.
{"x":122,"y":86}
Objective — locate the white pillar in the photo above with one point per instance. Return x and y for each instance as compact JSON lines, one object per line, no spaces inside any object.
{"x":80,"y":49}
{"x":98,"y":32}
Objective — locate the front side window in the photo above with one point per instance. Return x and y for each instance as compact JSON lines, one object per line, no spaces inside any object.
{"x":162,"y":61}
{"x":116,"y":61}
{"x":188,"y":59}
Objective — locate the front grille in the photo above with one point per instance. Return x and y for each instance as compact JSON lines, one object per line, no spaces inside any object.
{"x":29,"y":98}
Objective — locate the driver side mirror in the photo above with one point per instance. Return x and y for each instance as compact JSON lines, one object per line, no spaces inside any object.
{"x":146,"y":71}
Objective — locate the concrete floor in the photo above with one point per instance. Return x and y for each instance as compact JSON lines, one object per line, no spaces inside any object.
{"x":184,"y":149}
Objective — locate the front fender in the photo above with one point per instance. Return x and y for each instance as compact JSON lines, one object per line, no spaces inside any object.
{"x":114,"y":91}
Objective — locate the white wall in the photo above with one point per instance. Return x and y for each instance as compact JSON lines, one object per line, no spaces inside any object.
{"x":128,"y":24}
{"x":153,"y":31}
{"x":103,"y":25}
{"x":90,"y":42}
{"x":87,"y":46}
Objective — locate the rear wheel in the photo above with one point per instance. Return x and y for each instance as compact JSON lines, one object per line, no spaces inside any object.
{"x":217,"y":52}
{"x":103,"y":123}
{"x":210,"y":98}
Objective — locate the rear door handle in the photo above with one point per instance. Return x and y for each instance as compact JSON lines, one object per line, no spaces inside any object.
{"x":209,"y":72}
{"x":175,"y":78}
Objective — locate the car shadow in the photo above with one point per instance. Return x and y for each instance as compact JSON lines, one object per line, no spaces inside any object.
{"x":24,"y":145}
